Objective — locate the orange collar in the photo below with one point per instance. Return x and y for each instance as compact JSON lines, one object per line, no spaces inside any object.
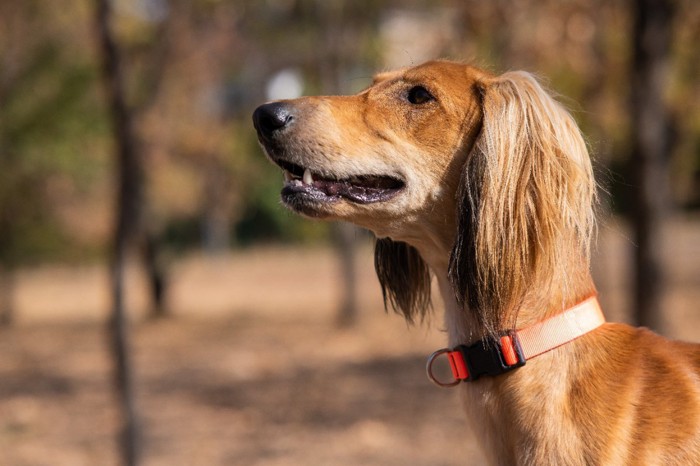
{"x":494,"y":357}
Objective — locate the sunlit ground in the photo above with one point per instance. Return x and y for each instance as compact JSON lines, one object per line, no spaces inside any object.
{"x":252,"y":369}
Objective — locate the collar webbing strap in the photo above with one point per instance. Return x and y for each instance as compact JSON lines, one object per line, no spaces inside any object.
{"x":562,"y":328}
{"x":495,"y":356}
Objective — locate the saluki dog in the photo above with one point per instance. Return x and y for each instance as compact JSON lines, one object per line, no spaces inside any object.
{"x":485,"y":182}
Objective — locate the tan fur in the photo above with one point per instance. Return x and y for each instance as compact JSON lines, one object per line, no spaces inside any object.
{"x":498,"y":202}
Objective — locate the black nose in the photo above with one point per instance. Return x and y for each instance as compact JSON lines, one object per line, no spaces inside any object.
{"x":269,"y":118}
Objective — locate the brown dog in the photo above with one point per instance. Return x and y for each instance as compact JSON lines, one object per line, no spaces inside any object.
{"x":485,"y":181}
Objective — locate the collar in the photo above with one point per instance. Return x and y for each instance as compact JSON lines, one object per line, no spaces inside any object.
{"x":493,"y":356}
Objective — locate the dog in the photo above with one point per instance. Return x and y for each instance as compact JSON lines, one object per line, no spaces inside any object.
{"x":485,"y":182}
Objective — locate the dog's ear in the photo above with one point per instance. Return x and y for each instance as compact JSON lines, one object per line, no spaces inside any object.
{"x":525,"y":201}
{"x":404,"y":278}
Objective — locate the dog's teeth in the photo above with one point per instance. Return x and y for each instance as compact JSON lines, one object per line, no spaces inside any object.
{"x":287,"y":176}
{"x":308,"y":179}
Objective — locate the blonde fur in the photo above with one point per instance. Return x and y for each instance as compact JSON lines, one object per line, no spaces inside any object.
{"x":529,"y":178}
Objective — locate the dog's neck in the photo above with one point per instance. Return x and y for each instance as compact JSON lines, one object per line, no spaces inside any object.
{"x":461,"y":325}
{"x":542,"y":301}
{"x":491,"y":400}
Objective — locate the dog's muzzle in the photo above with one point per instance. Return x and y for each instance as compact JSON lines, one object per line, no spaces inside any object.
{"x":308,"y":183}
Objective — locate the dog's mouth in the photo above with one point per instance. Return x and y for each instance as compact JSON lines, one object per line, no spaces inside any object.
{"x":302,"y":182}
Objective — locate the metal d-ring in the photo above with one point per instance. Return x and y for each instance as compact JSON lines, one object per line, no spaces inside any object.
{"x":429,"y":369}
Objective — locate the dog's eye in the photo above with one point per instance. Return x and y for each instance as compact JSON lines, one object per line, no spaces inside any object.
{"x":418,"y":95}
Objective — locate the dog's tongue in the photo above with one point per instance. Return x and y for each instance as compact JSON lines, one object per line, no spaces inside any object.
{"x":355,"y":192}
{"x":359,"y":189}
{"x":363,"y":190}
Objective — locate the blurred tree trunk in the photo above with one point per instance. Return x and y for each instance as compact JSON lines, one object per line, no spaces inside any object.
{"x":7,"y":289}
{"x":345,"y":239}
{"x":651,"y":152}
{"x":216,"y":221}
{"x":156,"y":274}
{"x":128,"y":205}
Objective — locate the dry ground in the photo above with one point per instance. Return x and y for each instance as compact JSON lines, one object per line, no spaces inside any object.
{"x":252,"y":370}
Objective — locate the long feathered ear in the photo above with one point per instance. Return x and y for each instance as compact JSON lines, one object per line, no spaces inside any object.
{"x":404,"y":278}
{"x":526,"y":201}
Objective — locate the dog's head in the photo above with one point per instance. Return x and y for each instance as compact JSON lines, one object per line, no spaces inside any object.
{"x":382,"y":158}
{"x":440,"y":154}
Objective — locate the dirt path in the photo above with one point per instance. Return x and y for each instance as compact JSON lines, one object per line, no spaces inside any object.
{"x":237,"y":390}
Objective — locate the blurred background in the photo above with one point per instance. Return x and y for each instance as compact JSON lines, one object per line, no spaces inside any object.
{"x":157,"y":304}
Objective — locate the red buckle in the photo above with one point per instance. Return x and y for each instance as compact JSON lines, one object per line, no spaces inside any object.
{"x":458,"y":365}
{"x":509,"y":351}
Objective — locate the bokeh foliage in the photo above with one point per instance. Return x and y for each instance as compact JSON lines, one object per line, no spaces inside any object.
{"x":52,"y":136}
